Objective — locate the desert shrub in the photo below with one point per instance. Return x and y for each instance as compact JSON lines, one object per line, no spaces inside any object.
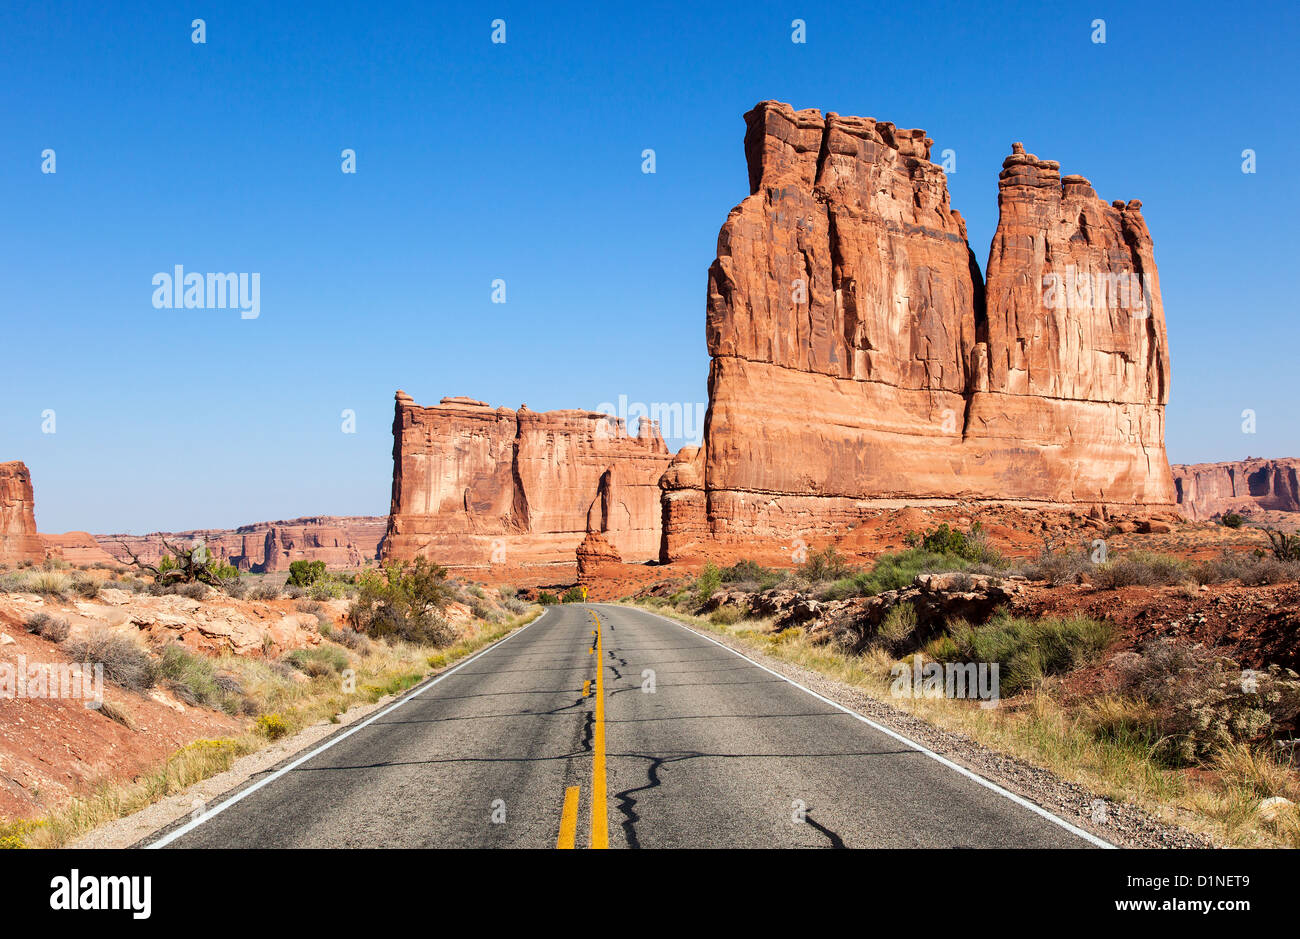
{"x":125,"y":663}
{"x":826,"y":564}
{"x":52,"y":628}
{"x":726,"y":615}
{"x":507,"y":592}
{"x":327,"y":588}
{"x":572,"y":595}
{"x":1205,"y":702}
{"x":85,"y":588}
{"x":347,"y":637}
{"x":264,"y":591}
{"x":515,"y":605}
{"x":1027,"y":650}
{"x":403,"y":601}
{"x":1058,"y":568}
{"x":745,"y":571}
{"x":117,"y":713}
{"x":315,"y":607}
{"x":49,"y":583}
{"x":273,"y":726}
{"x":195,"y":590}
{"x":1232,"y":520}
{"x":708,"y":583}
{"x":1250,"y":570}
{"x":1286,"y":547}
{"x":1144,"y":568}
{"x":546,"y":598}
{"x":898,"y":628}
{"x":320,"y":661}
{"x":306,"y":573}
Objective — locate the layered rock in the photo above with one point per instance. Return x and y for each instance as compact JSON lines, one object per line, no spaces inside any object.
{"x":18,"y":538}
{"x":342,"y":542}
{"x":857,"y":358}
{"x":1208,"y":490}
{"x":476,"y":485}
{"x":593,"y":554}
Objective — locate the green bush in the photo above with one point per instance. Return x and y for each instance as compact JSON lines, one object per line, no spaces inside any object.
{"x":826,"y":564}
{"x":1027,"y":649}
{"x":403,"y":601}
{"x":306,"y":573}
{"x":572,"y":595}
{"x":708,"y":583}
{"x":945,"y":540}
{"x":1232,"y":520}
{"x":745,"y":571}
{"x":546,"y":598}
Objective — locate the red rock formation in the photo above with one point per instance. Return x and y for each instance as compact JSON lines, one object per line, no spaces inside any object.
{"x":18,"y":538}
{"x":1207,"y":490}
{"x":593,"y":554}
{"x":76,"y":547}
{"x":855,"y":361}
{"x":342,"y":542}
{"x":474,"y":485}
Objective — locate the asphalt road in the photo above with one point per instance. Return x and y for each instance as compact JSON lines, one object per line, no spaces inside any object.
{"x":721,"y":753}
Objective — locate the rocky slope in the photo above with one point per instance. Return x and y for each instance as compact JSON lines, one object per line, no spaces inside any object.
{"x":1248,"y":486}
{"x":476,"y":485}
{"x":857,"y":357}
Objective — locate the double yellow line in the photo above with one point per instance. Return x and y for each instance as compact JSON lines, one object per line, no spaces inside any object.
{"x":599,"y":813}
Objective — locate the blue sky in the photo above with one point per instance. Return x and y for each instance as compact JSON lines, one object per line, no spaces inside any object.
{"x":522,"y":161}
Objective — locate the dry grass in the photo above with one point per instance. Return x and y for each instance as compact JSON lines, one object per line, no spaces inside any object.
{"x":1105,"y":743}
{"x":284,"y":704}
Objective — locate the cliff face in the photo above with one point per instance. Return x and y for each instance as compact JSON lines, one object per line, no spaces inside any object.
{"x":476,"y":485}
{"x":857,"y":356}
{"x":341,"y":542}
{"x":18,"y":538}
{"x":1206,"y":490}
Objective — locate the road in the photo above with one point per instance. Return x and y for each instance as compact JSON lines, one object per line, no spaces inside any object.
{"x":697,"y":747}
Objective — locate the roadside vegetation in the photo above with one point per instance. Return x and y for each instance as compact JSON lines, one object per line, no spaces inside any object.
{"x":396,"y":631}
{"x":1178,"y":729}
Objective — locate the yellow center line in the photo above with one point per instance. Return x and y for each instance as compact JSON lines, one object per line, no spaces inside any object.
{"x":599,"y":817}
{"x":568,"y":819}
{"x":586,"y":688}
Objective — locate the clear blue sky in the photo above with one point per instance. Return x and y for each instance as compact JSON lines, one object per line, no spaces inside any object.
{"x":523,"y":161}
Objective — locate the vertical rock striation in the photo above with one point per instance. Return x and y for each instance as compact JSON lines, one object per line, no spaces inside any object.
{"x":857,"y":356}
{"x":476,"y":485}
{"x":18,"y":538}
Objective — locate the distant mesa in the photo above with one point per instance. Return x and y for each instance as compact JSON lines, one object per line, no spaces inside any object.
{"x":1249,"y":486}
{"x":476,"y":485}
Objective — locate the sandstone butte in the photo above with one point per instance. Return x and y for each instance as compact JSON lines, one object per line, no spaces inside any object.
{"x":858,"y":359}
{"x":18,"y":538}
{"x":477,"y":485}
{"x":342,"y":542}
{"x":1206,"y":490}
{"x":593,"y":554}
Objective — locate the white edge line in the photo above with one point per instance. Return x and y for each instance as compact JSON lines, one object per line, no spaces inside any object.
{"x":212,"y":813}
{"x":975,"y":777}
